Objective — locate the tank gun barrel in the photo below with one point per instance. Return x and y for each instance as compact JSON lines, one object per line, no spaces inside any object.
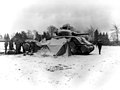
{"x":77,"y":35}
{"x":82,"y":34}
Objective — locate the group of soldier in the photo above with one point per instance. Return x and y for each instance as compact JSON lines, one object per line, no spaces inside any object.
{"x":15,"y":47}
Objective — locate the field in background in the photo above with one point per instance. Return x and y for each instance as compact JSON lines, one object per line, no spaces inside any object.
{"x":1,"y":46}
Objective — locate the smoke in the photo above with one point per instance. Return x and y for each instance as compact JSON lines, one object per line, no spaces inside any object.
{"x":79,"y":15}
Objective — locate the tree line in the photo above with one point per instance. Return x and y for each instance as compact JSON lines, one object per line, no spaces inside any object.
{"x":93,"y":34}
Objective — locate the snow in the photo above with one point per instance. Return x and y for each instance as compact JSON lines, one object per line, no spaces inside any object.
{"x":85,"y":72}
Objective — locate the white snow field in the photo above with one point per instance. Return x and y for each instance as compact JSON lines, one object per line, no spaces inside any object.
{"x":79,"y":72}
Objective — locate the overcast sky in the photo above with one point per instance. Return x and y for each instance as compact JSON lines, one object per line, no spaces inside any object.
{"x":19,"y":15}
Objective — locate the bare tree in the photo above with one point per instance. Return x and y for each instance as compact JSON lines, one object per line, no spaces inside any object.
{"x":51,"y":30}
{"x":29,"y":34}
{"x":115,"y":34}
{"x":1,"y":37}
{"x":91,"y":31}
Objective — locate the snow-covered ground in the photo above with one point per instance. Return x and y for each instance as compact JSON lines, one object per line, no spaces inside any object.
{"x":80,"y":72}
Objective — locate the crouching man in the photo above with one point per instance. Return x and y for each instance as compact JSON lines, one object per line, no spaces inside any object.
{"x":27,"y":49}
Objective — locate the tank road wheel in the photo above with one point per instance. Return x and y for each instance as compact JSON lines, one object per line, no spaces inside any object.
{"x":83,"y":50}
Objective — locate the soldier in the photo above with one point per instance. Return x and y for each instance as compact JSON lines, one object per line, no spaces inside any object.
{"x":6,"y":45}
{"x":99,"y":44}
{"x":26,"y":48}
{"x":18,"y":46}
{"x":32,"y":47}
{"x":11,"y":45}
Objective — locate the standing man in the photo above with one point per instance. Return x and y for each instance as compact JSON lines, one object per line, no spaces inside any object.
{"x":6,"y":45}
{"x":99,"y":44}
{"x":11,"y":45}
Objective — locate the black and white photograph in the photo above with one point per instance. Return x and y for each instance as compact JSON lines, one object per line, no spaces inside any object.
{"x":59,"y":45}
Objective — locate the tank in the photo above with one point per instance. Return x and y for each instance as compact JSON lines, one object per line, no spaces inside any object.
{"x":77,"y":42}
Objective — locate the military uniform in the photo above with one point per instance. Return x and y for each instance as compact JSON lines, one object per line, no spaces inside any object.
{"x":6,"y":45}
{"x":99,"y":44}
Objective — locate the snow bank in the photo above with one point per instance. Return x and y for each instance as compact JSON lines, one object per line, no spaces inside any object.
{"x":90,"y":72}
